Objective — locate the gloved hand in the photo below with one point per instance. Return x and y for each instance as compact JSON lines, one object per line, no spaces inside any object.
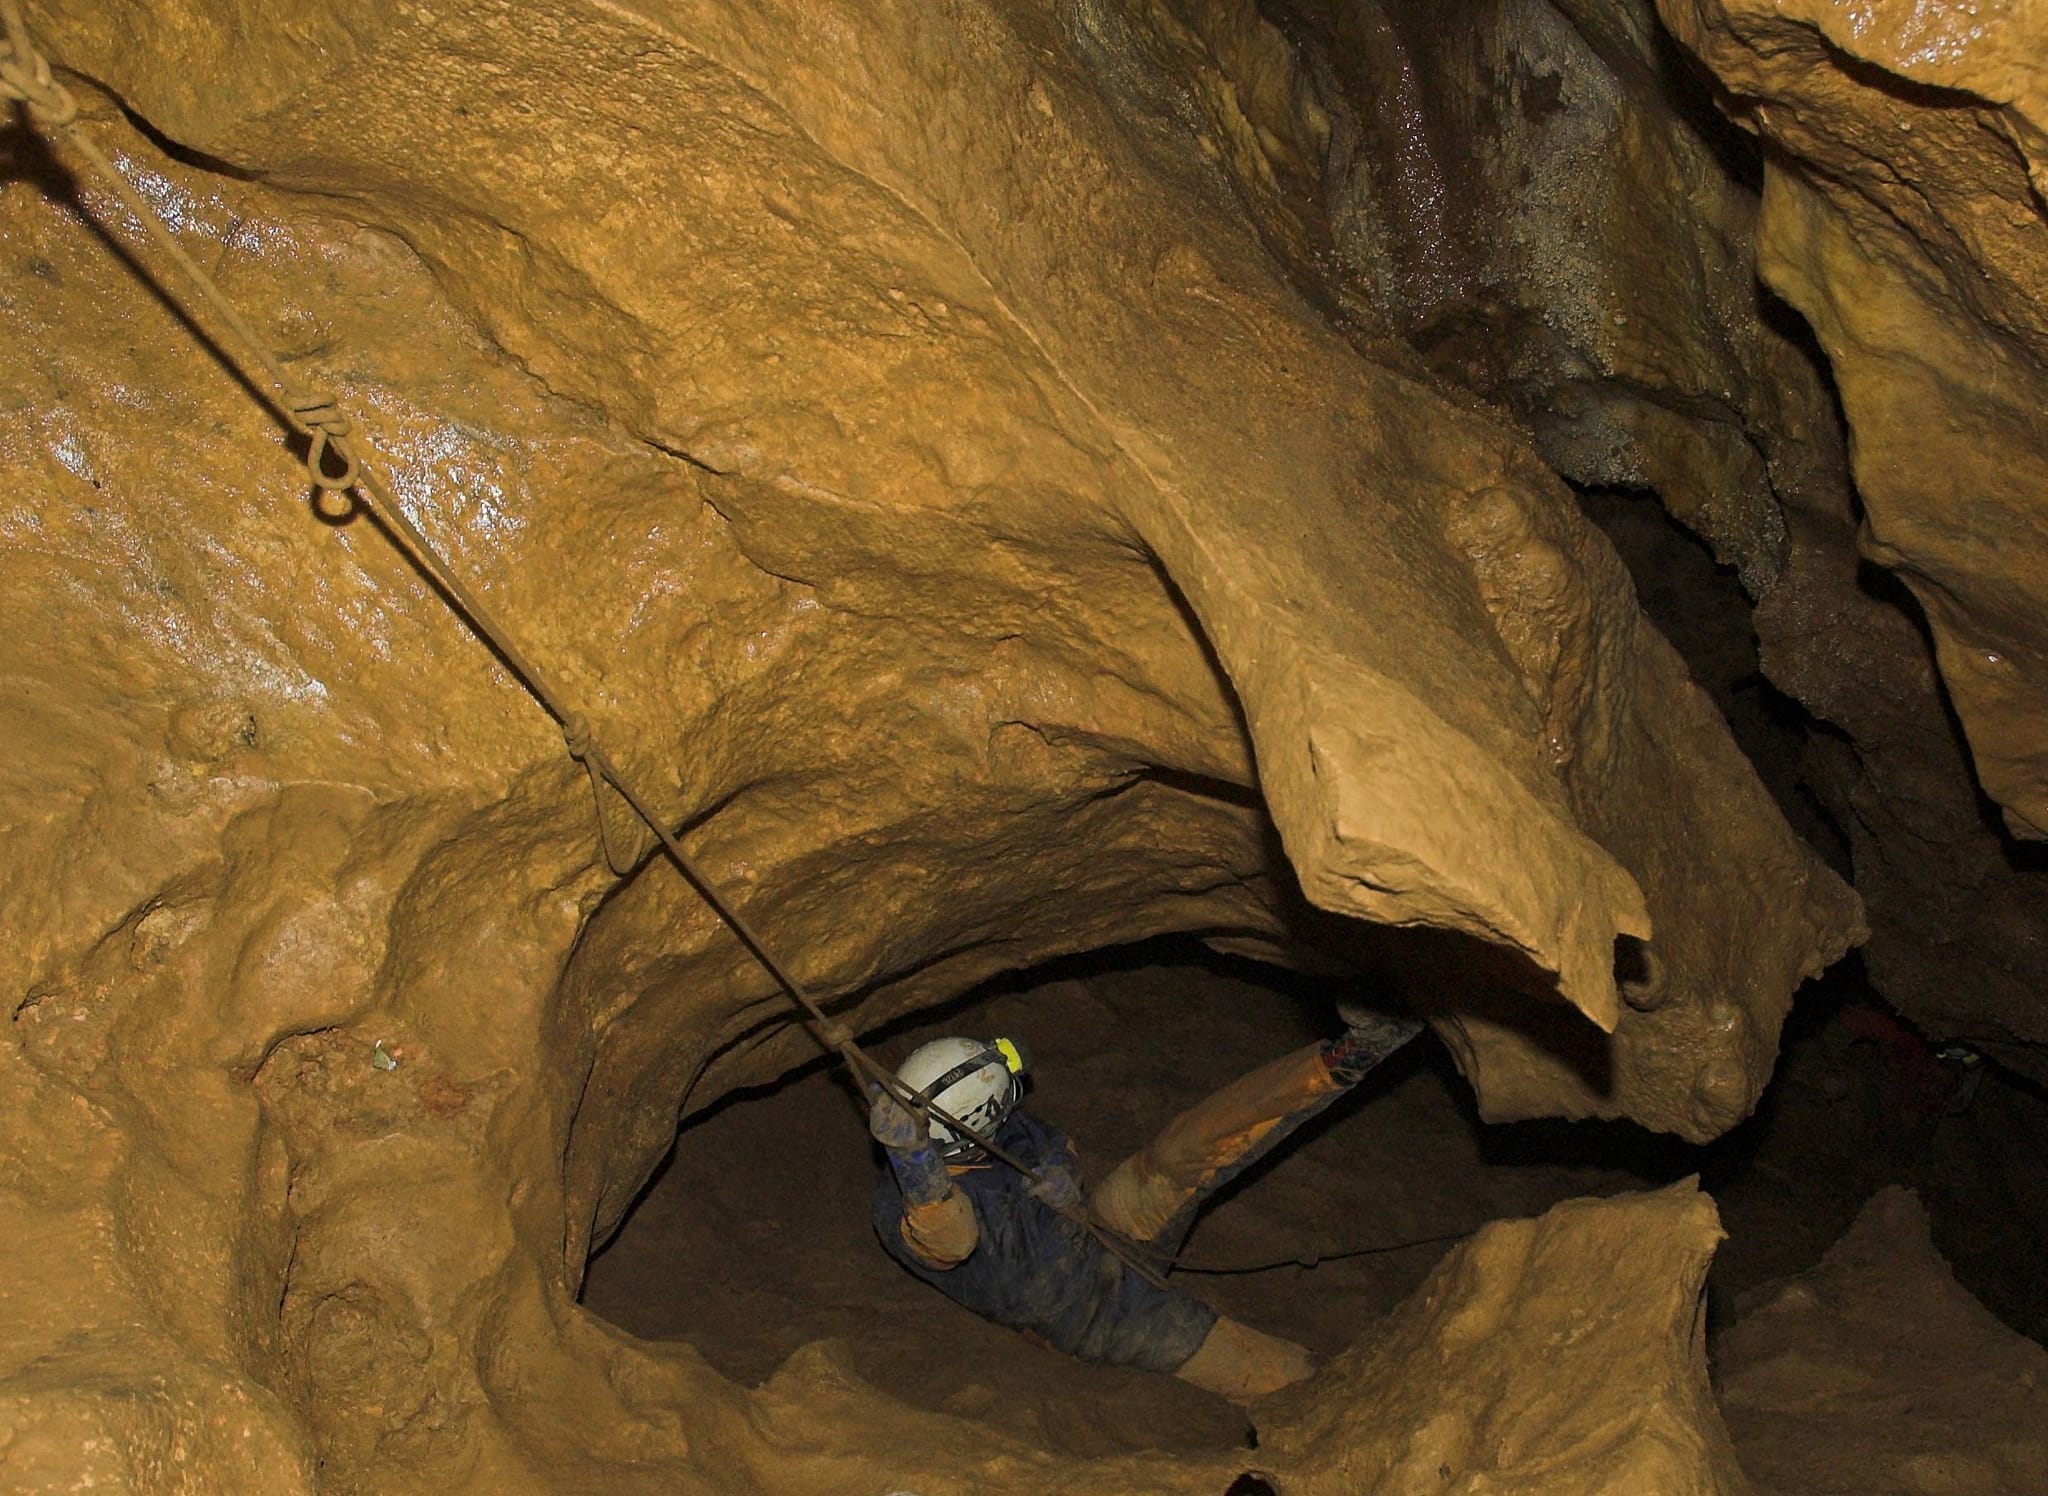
{"x":1369,"y":1037}
{"x":1380,"y":1025}
{"x":894,"y":1125}
{"x":1055,"y":1187}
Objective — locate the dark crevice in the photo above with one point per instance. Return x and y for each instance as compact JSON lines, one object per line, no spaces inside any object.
{"x":1204,"y":786}
{"x":1691,"y":89}
{"x":690,"y":458}
{"x":1789,"y":323}
{"x":1890,"y":587}
{"x":1700,"y":607}
{"x":181,"y":153}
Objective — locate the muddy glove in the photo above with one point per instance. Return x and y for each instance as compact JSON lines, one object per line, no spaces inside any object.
{"x":913,"y":1156}
{"x":1055,"y":1187}
{"x":894,"y":1125}
{"x":1369,"y":1037}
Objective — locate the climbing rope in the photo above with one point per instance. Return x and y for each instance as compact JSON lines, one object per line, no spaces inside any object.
{"x":345,"y":483}
{"x":1310,"y":1261}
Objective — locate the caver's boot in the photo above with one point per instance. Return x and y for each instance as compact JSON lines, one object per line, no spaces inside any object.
{"x":1243,"y":1364}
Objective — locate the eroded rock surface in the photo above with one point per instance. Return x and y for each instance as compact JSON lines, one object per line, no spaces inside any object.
{"x":1876,"y":1372}
{"x":1538,"y":203}
{"x":900,"y":432}
{"x":1904,"y":216}
{"x":1604,"y":1295}
{"x":1547,"y":205}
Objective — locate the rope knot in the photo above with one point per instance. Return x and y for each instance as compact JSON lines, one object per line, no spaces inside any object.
{"x":834,"y":1034}
{"x":327,"y":429}
{"x":576,"y":735}
{"x":25,"y":76}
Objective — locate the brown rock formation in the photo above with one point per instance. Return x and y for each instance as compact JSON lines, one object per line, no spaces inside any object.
{"x":1875,"y":1372}
{"x":1543,"y":202}
{"x":919,"y":436}
{"x":1604,"y":1295}
{"x":1532,"y":199}
{"x":1903,"y":216}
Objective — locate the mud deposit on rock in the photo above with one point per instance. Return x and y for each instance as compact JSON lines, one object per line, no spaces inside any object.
{"x":1007,"y":481}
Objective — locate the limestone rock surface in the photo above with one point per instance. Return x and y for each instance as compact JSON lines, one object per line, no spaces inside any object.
{"x":897,"y":430}
{"x":1902,"y":215}
{"x":1905,"y":215}
{"x":1606,"y":1296}
{"x":1547,"y":206}
{"x":1876,"y":1372}
{"x":1536,"y":202}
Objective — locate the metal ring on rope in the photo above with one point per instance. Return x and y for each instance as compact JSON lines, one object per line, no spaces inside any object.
{"x":326,"y":430}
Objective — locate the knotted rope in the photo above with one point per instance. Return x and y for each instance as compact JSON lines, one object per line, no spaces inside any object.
{"x":25,"y":76}
{"x":344,"y":482}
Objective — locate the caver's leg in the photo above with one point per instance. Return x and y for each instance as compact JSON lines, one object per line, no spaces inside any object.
{"x":1152,"y":1196}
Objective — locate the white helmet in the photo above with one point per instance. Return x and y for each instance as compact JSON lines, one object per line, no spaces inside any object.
{"x":976,"y":1080}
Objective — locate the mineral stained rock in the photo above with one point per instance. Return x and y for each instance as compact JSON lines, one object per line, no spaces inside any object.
{"x":1876,"y":1372}
{"x":1546,"y":205}
{"x":1536,"y":202}
{"x":891,"y":424}
{"x":1607,"y":1296}
{"x":1905,"y":214}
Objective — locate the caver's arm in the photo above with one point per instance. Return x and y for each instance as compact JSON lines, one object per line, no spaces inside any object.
{"x":1057,"y":1183}
{"x":939,"y":1226}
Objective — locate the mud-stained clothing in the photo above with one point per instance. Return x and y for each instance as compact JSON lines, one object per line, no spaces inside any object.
{"x":976,"y":1235}
{"x":1034,"y":1270}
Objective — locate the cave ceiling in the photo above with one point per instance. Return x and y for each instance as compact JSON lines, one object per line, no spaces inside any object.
{"x":1012,"y":479}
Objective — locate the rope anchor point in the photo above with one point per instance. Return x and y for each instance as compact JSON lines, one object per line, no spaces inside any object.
{"x":326,"y":430}
{"x":25,"y":75}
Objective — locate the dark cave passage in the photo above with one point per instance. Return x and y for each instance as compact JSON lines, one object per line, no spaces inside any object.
{"x":753,"y":1241}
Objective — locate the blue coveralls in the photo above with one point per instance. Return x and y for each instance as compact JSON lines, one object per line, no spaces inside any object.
{"x":1036,"y":1271}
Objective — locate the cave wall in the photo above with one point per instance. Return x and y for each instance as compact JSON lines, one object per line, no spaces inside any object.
{"x":1827,"y":1385}
{"x":1783,"y":270}
{"x":1540,"y":202}
{"x":1903,"y":214}
{"x":1373,"y":1419}
{"x":957,"y":456}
